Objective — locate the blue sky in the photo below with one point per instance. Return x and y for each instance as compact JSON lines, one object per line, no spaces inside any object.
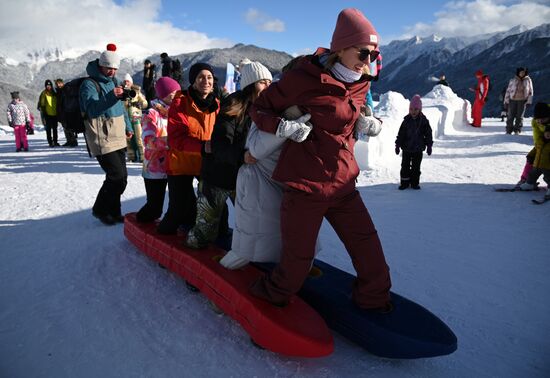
{"x":298,"y":26}
{"x":295,"y":25}
{"x":141,"y":28}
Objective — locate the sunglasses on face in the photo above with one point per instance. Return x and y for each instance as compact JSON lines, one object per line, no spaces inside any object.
{"x":365,"y":53}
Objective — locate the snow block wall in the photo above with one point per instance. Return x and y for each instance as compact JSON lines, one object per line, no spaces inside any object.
{"x":448,"y":115}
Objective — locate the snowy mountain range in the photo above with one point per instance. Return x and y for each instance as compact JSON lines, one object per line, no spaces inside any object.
{"x":28,"y":77}
{"x":410,"y":66}
{"x":413,"y":66}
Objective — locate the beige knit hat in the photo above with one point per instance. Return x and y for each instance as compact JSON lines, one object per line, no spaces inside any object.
{"x":253,"y":72}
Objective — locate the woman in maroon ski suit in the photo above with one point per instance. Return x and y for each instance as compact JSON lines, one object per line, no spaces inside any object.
{"x":317,"y":164}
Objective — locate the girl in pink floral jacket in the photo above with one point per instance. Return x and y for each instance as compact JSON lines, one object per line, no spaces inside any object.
{"x":18,"y":118}
{"x":155,"y":149}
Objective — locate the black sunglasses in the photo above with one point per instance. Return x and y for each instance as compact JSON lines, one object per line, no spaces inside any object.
{"x":365,"y":53}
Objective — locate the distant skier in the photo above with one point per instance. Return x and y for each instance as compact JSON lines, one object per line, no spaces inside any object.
{"x":480,"y":97}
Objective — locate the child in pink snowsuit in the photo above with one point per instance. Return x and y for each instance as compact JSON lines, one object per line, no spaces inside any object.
{"x":18,"y":118}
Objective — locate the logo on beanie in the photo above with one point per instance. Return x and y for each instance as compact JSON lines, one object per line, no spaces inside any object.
{"x":374,"y":38}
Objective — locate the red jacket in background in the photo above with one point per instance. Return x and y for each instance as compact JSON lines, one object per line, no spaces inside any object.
{"x":481,"y":90}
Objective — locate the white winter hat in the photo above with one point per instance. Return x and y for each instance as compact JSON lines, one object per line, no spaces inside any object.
{"x":253,"y":72}
{"x":109,"y":58}
{"x":129,"y":78}
{"x":244,"y":61}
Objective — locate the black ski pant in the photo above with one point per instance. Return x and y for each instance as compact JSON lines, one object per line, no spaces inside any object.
{"x":156,"y":191}
{"x":116,"y":178}
{"x":410,"y":167}
{"x":182,"y":204}
{"x":516,"y":111}
{"x":51,"y":127}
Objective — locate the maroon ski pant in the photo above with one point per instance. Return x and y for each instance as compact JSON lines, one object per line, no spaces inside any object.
{"x":301,"y":219}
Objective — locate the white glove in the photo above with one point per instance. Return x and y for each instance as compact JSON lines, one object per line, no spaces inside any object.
{"x":297,"y":129}
{"x":368,"y":125}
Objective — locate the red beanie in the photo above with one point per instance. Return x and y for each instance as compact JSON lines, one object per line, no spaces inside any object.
{"x":352,"y":28}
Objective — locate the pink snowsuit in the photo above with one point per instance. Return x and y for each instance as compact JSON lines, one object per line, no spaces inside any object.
{"x":18,"y":115}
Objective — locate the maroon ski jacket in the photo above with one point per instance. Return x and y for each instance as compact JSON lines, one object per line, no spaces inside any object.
{"x":324,"y":164}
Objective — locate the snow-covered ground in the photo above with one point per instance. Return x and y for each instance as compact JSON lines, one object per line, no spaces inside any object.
{"x":78,"y":300}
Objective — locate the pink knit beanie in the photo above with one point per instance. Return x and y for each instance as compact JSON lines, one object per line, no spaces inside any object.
{"x":166,"y":85}
{"x":416,"y":102}
{"x":352,"y":28}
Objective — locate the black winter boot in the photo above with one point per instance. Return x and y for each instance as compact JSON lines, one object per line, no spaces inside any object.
{"x":404,"y":184}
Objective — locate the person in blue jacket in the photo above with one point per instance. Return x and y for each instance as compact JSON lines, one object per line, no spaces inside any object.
{"x":106,"y":128}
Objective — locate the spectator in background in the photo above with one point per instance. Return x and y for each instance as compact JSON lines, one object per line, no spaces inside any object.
{"x":237,"y":77}
{"x":30,"y":126}
{"x":70,"y":135}
{"x":481,"y":91}
{"x":375,"y":68}
{"x":503,"y":109}
{"x":519,"y":94}
{"x":19,"y":119}
{"x":166,"y":62}
{"x":134,"y":106}
{"x":171,"y":67}
{"x":149,"y":79}
{"x":414,"y":136}
{"x":443,"y":81}
{"x":47,"y":106}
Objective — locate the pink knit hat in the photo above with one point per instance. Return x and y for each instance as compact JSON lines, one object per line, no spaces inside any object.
{"x":416,"y":102}
{"x":352,"y":28}
{"x":166,"y":85}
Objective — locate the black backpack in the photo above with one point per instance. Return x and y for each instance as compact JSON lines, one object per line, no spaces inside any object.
{"x":74,"y":118}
